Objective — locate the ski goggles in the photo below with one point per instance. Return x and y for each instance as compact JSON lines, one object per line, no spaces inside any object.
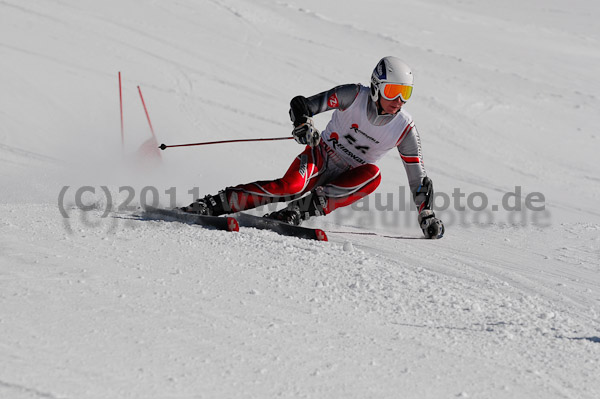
{"x":391,"y":91}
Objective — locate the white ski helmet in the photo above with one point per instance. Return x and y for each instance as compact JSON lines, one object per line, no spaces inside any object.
{"x":393,"y":71}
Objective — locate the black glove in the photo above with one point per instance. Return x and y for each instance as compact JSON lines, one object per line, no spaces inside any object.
{"x":432,"y":227}
{"x":299,"y":111}
{"x":307,"y":133}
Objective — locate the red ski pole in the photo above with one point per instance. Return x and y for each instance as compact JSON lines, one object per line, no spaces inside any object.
{"x":164,"y":146}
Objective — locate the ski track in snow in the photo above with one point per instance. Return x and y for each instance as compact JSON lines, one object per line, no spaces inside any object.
{"x":102,"y":304}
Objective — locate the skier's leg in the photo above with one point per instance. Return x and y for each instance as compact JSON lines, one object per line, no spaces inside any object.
{"x":300,"y":178}
{"x":345,"y":189}
{"x":350,"y":186}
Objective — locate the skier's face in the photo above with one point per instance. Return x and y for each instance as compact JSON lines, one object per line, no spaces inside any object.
{"x":391,"y":106}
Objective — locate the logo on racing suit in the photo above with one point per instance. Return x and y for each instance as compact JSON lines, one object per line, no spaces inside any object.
{"x":334,"y":138}
{"x":333,"y":102}
{"x":303,"y":165}
{"x":357,"y":130}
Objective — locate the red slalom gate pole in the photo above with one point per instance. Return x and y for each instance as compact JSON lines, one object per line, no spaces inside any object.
{"x":121,"y":106}
{"x":146,"y":110}
{"x":164,"y":146}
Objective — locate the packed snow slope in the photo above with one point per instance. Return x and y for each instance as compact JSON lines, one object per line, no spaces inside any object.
{"x":96,"y":302}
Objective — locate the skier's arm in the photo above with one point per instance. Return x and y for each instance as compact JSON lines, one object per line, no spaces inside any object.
{"x":421,"y":186}
{"x":410,"y":152}
{"x":340,"y":97}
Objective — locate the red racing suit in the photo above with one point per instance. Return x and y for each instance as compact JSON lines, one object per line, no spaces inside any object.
{"x":341,"y":169}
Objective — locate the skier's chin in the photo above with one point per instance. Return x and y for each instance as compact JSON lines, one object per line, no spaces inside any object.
{"x":390,"y":107}
{"x":392,"y":110}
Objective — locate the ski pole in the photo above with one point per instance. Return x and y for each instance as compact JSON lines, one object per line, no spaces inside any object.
{"x":164,"y":146}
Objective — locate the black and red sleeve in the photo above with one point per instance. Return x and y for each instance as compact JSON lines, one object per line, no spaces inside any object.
{"x":340,"y":97}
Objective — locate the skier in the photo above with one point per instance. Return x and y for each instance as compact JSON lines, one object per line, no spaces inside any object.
{"x":337,"y":167}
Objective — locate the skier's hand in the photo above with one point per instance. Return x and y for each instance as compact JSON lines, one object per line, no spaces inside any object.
{"x":432,"y":227}
{"x":306,"y":133}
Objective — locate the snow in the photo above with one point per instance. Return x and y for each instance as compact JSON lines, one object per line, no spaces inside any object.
{"x":102,"y":304}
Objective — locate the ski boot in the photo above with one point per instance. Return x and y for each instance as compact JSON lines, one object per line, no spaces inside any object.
{"x":287,"y":215}
{"x":300,"y":210}
{"x":211,"y":205}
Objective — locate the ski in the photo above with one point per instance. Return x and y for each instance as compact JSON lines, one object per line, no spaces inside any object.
{"x":219,"y":223}
{"x":234,"y":223}
{"x":246,"y":220}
